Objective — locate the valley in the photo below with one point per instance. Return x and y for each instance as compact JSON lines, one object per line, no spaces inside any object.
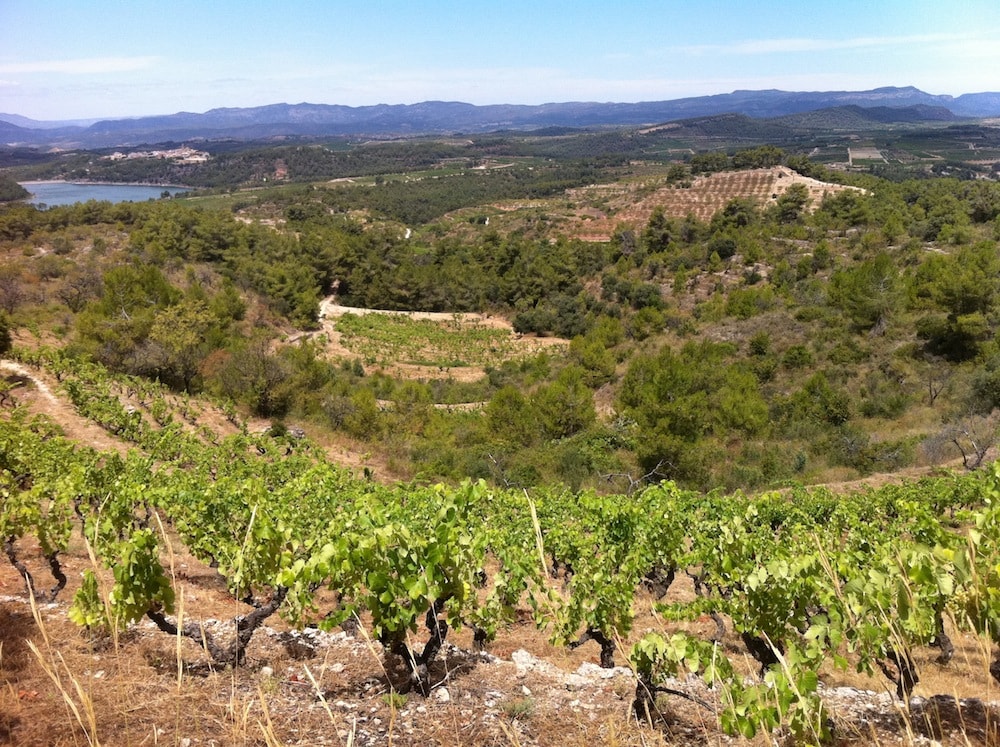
{"x":632,"y":436}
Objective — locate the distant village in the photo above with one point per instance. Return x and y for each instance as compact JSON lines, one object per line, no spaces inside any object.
{"x":180,"y":155}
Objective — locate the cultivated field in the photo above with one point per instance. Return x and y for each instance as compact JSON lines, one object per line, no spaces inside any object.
{"x":424,"y":345}
{"x":632,"y":204}
{"x":307,"y":687}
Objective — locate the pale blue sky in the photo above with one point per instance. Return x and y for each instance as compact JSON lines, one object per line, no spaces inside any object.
{"x":65,"y":59}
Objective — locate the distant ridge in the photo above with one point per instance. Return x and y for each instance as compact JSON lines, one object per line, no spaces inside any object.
{"x":35,"y":124}
{"x":433,"y":117}
{"x":856,"y":117}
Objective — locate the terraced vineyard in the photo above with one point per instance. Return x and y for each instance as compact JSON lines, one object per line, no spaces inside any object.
{"x":425,"y":344}
{"x":703,"y":198}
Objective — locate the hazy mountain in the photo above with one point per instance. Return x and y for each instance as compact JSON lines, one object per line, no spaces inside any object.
{"x":976,"y":105}
{"x":12,"y":133}
{"x":36,"y":124}
{"x":291,"y":120}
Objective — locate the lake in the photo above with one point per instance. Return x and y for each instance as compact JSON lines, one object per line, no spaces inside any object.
{"x":67,"y":193}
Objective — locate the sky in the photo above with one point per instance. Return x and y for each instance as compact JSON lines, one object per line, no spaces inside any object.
{"x":83,"y":59}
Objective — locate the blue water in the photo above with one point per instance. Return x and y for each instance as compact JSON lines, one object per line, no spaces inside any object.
{"x":67,"y":193}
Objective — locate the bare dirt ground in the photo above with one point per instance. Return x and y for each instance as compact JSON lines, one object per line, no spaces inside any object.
{"x":330,"y":309}
{"x":334,"y":688}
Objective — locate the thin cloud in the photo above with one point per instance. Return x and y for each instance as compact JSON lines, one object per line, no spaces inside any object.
{"x":85,"y":66}
{"x":807,"y":45}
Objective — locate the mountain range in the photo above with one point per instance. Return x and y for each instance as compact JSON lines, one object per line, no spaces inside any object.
{"x":907,"y":104}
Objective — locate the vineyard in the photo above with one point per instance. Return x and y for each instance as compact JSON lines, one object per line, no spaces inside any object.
{"x":729,"y":613}
{"x":702,"y":199}
{"x":425,"y":343}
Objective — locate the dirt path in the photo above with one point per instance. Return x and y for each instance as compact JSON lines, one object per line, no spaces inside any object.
{"x":39,"y":394}
{"x":40,"y":398}
{"x":43,"y":388}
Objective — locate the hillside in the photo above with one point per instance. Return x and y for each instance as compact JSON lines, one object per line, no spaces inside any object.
{"x":302,"y":685}
{"x":859,"y":118}
{"x":703,"y":198}
{"x":277,"y":463}
{"x":753,"y":274}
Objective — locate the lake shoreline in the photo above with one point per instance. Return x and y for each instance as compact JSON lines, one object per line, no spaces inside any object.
{"x":60,"y":192}
{"x":87,"y":183}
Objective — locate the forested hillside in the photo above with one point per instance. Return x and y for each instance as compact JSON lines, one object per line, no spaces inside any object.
{"x":856,"y":330}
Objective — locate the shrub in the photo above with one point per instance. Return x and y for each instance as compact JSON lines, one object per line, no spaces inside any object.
{"x":797,"y":356}
{"x":6,"y":339}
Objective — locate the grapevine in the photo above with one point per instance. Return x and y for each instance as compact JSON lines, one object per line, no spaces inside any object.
{"x":805,"y":579}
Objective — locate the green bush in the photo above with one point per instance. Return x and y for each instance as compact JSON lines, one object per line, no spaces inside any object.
{"x":6,"y":339}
